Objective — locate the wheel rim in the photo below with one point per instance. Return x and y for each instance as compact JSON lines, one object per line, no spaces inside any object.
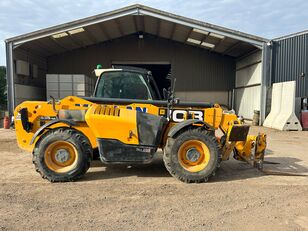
{"x":194,"y":155}
{"x":61,"y":156}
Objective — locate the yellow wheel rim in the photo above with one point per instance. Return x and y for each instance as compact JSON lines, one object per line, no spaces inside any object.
{"x":194,"y":155}
{"x":61,"y":156}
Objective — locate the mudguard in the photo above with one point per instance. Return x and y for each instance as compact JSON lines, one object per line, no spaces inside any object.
{"x":176,"y":128}
{"x":45,"y":126}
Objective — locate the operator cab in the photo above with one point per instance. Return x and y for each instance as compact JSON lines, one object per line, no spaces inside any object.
{"x":123,"y":82}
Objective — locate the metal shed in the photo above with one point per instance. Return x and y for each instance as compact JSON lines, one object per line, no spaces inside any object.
{"x":211,"y":63}
{"x":290,"y":61}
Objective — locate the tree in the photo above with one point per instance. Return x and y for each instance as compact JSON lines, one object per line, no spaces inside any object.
{"x":3,"y":89}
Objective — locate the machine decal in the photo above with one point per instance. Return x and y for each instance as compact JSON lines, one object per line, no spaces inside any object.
{"x":179,"y":115}
{"x":140,"y":109}
{"x":42,"y":118}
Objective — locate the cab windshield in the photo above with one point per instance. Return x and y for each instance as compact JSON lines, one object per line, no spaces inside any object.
{"x":123,"y":85}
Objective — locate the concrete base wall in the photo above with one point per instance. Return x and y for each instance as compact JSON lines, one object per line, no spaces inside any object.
{"x":247,"y":100}
{"x":248,"y":85}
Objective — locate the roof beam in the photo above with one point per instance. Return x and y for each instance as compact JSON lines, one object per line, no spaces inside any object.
{"x":139,"y":23}
{"x":90,"y":36}
{"x":232,"y":47}
{"x":138,"y":10}
{"x":247,"y":54}
{"x":43,"y":47}
{"x":199,"y":25}
{"x":37,"y":48}
{"x":103,"y":30}
{"x":59,"y":44}
{"x":50,"y":44}
{"x":142,"y":23}
{"x":188,"y":34}
{"x":72,"y":25}
{"x":76,"y":41}
{"x":120,"y":29}
{"x":219,"y":43}
{"x":203,"y":40}
{"x":33,"y":51}
{"x":135,"y":23}
{"x":173,"y":31}
{"x":158,"y":27}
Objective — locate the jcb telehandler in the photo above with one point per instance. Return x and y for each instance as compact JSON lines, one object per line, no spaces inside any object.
{"x":127,"y":121}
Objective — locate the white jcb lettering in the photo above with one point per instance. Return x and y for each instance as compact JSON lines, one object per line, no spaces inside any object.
{"x":197,"y":115}
{"x":180,"y":115}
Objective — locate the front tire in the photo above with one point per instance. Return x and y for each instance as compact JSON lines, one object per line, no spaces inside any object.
{"x":193,"y":156}
{"x":62,"y":154}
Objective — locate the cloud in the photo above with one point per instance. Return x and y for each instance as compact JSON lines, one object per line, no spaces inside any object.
{"x":267,"y":19}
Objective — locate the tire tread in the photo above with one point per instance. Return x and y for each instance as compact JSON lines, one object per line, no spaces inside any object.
{"x":187,"y":178}
{"x":79,"y":138}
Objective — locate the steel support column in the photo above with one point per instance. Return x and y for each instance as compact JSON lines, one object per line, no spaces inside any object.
{"x":10,"y":78}
{"x":265,"y":79}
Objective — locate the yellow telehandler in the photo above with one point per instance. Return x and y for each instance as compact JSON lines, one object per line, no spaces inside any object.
{"x":126,"y":121}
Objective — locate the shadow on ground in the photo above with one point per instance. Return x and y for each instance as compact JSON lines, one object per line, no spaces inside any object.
{"x":153,"y":169}
{"x":234,"y":170}
{"x":229,"y":171}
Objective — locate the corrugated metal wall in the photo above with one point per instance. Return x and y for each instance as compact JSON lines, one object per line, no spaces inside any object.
{"x":26,"y":92}
{"x":196,"y":69}
{"x":34,"y":59}
{"x":29,"y":87}
{"x":290,"y":61}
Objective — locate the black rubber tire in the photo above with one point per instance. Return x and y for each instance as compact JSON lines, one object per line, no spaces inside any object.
{"x":171,"y":156}
{"x":80,"y":142}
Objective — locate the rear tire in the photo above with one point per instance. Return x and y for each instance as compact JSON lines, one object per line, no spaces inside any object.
{"x":193,"y":156}
{"x":62,"y":154}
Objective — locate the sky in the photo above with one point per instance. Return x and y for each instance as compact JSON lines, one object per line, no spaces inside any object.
{"x":269,"y":19}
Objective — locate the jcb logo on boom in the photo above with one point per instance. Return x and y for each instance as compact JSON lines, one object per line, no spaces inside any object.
{"x":180,"y":115}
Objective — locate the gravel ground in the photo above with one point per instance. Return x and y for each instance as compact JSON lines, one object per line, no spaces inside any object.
{"x":148,"y":198}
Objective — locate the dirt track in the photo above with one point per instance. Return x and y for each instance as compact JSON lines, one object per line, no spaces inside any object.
{"x":147,"y":198}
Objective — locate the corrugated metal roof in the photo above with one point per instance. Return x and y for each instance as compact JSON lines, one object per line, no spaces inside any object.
{"x":137,"y":19}
{"x":291,"y":35}
{"x":136,"y":9}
